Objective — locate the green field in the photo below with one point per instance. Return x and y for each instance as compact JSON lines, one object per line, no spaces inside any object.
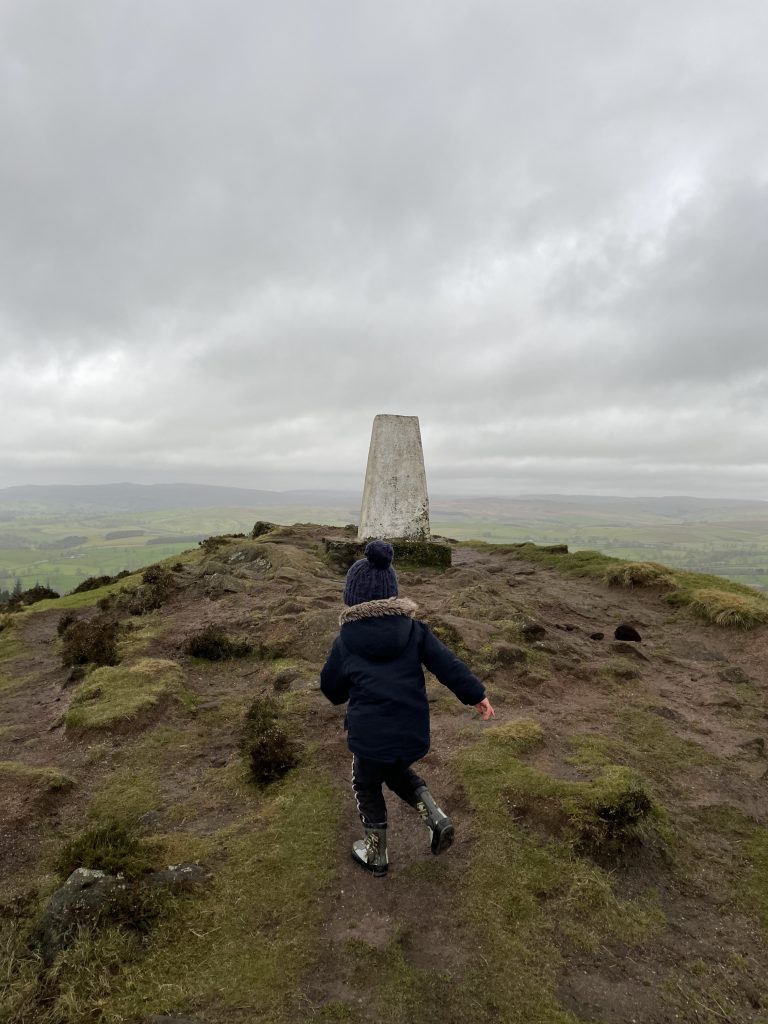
{"x":86,"y":545}
{"x":60,"y":547}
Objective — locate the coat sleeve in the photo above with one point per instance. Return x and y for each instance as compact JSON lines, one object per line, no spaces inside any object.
{"x":450,"y":670}
{"x":333,"y":682}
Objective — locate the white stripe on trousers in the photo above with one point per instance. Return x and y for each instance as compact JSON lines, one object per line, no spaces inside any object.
{"x":354,"y":790}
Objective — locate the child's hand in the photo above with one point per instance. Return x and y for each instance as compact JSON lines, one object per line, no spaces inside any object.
{"x":485,"y":709}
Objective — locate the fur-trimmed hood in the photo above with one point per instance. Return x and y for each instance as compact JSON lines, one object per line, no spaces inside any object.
{"x":372,"y":609}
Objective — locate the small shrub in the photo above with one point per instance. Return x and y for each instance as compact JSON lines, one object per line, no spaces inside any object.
{"x":211,"y":544}
{"x":638,"y":574}
{"x":724,"y":608}
{"x":112,"y":846}
{"x":260,"y":528}
{"x":157,"y":584}
{"x":156,"y":576}
{"x":213,"y":644}
{"x":91,"y":640}
{"x":37,"y":593}
{"x":265,"y":742}
{"x":66,"y":620}
{"x":92,"y":583}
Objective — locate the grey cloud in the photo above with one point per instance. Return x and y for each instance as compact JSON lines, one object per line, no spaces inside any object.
{"x":233,"y":233}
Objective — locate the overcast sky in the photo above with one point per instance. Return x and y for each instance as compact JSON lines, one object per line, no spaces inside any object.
{"x":233,"y":232}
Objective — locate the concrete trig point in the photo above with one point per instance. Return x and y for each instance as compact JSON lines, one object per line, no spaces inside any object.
{"x":395,"y":502}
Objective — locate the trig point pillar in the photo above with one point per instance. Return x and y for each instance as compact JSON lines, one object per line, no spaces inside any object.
{"x":395,"y":502}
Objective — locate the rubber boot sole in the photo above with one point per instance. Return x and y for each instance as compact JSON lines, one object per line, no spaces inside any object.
{"x":376,"y":871}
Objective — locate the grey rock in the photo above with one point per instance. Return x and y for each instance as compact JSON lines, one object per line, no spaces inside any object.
{"x":89,"y":898}
{"x":288,"y":573}
{"x":733,"y":674}
{"x":260,"y":527}
{"x":509,"y":654}
{"x":223,"y":583}
{"x":80,"y":901}
{"x":283,"y":680}
{"x":177,"y":877}
{"x":532,"y":630}
{"x":213,"y":566}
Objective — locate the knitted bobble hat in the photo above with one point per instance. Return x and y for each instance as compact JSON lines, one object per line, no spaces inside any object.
{"x":372,"y":578}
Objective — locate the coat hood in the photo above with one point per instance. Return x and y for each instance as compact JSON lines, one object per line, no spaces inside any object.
{"x":378,"y":630}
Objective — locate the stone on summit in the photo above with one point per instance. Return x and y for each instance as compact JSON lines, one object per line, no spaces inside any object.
{"x":395,"y":502}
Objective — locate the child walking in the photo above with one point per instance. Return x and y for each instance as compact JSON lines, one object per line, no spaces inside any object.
{"x":376,"y":664}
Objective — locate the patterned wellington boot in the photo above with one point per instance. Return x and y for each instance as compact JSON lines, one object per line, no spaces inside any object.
{"x":437,"y":821}
{"x":371,"y":852}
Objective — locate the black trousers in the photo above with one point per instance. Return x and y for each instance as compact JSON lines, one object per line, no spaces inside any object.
{"x":367,"y":779}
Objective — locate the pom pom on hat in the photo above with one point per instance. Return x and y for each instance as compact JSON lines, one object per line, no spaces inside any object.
{"x":379,"y":554}
{"x":372,"y":578}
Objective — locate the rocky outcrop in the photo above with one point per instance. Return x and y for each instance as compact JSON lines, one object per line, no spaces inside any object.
{"x":91,"y":898}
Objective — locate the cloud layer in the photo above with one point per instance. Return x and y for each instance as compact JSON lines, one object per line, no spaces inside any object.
{"x":234,"y":232}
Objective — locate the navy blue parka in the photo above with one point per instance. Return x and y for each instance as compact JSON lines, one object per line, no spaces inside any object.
{"x":376,"y":664}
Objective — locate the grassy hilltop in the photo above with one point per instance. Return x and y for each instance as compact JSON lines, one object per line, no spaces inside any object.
{"x":611,"y":861}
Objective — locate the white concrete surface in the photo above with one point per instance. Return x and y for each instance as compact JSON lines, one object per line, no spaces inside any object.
{"x":395,"y":502}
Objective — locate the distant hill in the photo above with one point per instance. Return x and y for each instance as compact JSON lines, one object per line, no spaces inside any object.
{"x":529,"y":507}
{"x":154,"y":497}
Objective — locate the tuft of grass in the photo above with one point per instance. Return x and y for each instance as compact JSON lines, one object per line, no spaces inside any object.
{"x":129,"y":791}
{"x":612,"y":811}
{"x":41,"y":780}
{"x":521,"y":889}
{"x":725,"y":608}
{"x":640,"y":740}
{"x":213,"y":644}
{"x":110,"y":696}
{"x":112,"y":846}
{"x":638,"y":574}
{"x":517,"y":737}
{"x":619,"y":669}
